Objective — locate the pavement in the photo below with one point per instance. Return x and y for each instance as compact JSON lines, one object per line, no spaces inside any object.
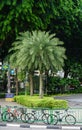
{"x":40,"y":127}
{"x":4,"y":103}
{"x":74,"y":100}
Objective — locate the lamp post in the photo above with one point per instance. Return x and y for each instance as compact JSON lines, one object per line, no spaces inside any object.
{"x":8,"y":84}
{"x":0,"y":66}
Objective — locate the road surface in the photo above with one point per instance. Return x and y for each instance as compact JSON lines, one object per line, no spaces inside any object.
{"x":33,"y":127}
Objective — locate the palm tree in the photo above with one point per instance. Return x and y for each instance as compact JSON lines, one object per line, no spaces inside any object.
{"x":40,"y":50}
{"x":46,"y":52}
{"x":16,"y":53}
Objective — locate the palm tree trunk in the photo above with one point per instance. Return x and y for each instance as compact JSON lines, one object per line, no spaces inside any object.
{"x":31,"y":84}
{"x":9,"y":84}
{"x":41,"y":86}
{"x":16,"y":80}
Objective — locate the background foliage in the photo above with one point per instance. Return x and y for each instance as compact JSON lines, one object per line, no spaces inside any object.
{"x":61,"y":17}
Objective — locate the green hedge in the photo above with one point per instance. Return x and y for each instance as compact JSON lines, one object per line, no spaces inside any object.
{"x":46,"y":102}
{"x":2,"y":95}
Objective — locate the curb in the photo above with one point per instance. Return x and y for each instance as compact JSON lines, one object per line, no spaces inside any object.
{"x":3,"y":124}
{"x":30,"y":126}
{"x":42,"y":126}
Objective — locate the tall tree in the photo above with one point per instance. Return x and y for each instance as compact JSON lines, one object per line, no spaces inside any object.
{"x":64,"y":17}
{"x":15,"y":56}
{"x":39,"y":50}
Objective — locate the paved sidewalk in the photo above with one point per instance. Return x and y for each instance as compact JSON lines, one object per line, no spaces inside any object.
{"x":3,"y":103}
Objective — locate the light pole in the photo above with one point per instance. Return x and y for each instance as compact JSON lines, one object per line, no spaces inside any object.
{"x":8,"y":84}
{"x":0,"y":66}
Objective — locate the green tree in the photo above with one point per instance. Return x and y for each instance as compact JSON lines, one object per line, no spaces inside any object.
{"x":39,"y":50}
{"x":63,"y":17}
{"x":75,"y":69}
{"x":15,"y":55}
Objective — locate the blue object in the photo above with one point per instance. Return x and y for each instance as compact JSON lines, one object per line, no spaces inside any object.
{"x":9,"y":95}
{"x":12,"y":72}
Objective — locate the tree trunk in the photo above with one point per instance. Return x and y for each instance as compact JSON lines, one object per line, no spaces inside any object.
{"x":41,"y":86}
{"x":31,"y":84}
{"x":16,"y":80}
{"x":46,"y":81}
{"x":9,"y":84}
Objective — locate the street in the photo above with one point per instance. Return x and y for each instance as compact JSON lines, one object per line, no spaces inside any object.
{"x":74,"y":100}
{"x":38,"y":127}
{"x":18,"y":128}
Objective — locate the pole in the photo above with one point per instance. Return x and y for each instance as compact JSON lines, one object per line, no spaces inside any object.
{"x":8,"y":85}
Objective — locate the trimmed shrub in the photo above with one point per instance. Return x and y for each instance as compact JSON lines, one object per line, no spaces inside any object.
{"x":52,"y":103}
{"x":46,"y":102}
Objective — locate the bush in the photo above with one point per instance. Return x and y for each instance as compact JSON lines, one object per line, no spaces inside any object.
{"x":54,"y":104}
{"x":2,"y":95}
{"x":74,"y":82}
{"x":62,"y":85}
{"x":46,"y":102}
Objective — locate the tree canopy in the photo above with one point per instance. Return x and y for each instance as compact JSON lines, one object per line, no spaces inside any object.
{"x":64,"y":17}
{"x":38,"y":50}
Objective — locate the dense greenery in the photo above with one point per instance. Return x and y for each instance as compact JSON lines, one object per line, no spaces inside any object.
{"x":2,"y":95}
{"x":46,"y":102}
{"x":62,"y":17}
{"x":63,"y":85}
